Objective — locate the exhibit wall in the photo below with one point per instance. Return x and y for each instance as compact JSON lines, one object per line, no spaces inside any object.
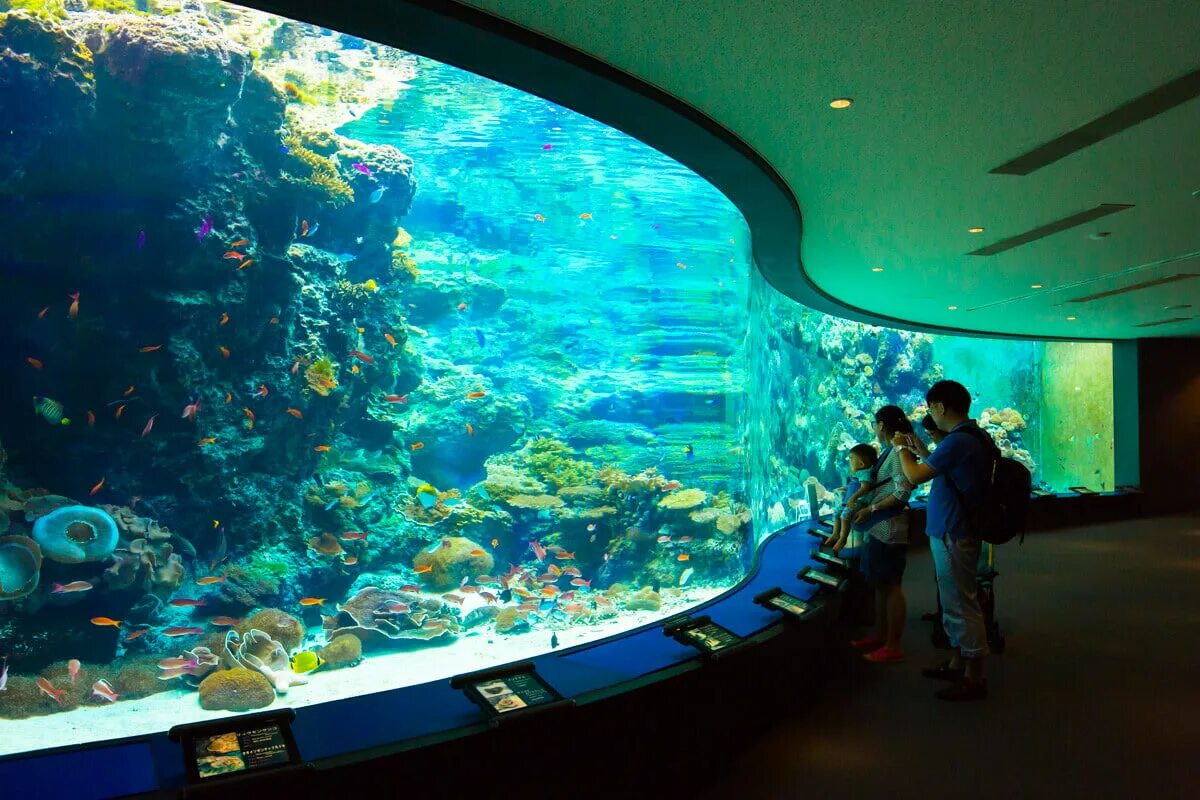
{"x":1169,"y":406}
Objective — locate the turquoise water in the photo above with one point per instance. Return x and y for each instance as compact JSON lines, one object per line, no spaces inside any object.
{"x":338,"y":369}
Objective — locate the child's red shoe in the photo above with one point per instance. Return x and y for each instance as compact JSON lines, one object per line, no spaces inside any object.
{"x":870,"y":642}
{"x":885,"y":655}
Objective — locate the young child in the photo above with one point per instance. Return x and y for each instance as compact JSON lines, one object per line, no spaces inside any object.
{"x":862,"y":459}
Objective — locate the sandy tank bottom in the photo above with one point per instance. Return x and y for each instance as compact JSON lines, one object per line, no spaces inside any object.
{"x":377,"y":673}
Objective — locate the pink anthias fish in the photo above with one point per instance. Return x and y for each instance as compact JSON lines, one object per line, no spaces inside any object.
{"x":358,"y":166}
{"x":73,"y":667}
{"x":538,"y":550}
{"x":205,"y":228}
{"x":104,"y":690}
{"x":190,"y":411}
{"x":149,"y":426}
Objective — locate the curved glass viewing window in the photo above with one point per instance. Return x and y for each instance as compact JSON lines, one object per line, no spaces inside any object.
{"x":337,"y":353}
{"x":334,"y":369}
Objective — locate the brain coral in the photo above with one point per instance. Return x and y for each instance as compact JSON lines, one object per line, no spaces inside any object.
{"x":279,"y":625}
{"x":451,"y":561}
{"x":683,"y":500}
{"x":75,"y":534}
{"x":344,"y":651}
{"x":237,"y":689}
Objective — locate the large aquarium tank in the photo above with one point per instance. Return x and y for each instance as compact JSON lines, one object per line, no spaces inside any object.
{"x":332,"y":369}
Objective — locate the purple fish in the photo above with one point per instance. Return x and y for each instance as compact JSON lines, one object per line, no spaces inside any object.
{"x":361,"y":167}
{"x":205,"y":227}
{"x":141,"y":240}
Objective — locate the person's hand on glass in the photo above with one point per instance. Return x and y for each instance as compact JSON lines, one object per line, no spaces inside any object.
{"x":863,"y":515}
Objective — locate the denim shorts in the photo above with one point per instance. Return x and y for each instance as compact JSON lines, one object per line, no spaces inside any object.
{"x":883,"y":564}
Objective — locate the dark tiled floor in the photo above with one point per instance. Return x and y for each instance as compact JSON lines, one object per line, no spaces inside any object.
{"x":1096,"y":696}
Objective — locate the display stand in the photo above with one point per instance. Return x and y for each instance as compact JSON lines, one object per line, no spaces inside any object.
{"x":820,"y":529}
{"x":792,"y":607}
{"x":712,"y":640}
{"x":510,"y":693}
{"x":237,"y":749}
{"x":1041,"y":493}
{"x":824,"y":579}
{"x":838,"y":563}
{"x":1080,"y":490}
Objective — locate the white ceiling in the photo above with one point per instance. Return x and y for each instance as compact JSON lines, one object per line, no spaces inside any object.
{"x":943,"y":93}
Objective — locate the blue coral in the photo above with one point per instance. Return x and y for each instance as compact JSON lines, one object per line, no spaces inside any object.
{"x":76,"y":534}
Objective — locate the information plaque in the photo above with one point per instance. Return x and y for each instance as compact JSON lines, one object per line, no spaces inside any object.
{"x":831,"y":559}
{"x":702,"y":633}
{"x":811,"y":575}
{"x":513,"y":691}
{"x":1080,"y":490}
{"x":238,"y":746}
{"x":777,"y":599}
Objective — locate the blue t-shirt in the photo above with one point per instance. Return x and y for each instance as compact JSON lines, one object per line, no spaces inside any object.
{"x":967,"y":461}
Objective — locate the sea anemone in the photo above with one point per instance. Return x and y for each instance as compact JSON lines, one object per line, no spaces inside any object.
{"x":20,"y":566}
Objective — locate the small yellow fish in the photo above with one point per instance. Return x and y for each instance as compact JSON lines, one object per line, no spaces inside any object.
{"x":307,"y":661}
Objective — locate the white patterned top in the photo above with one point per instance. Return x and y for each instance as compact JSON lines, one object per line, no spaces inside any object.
{"x":891,"y":482}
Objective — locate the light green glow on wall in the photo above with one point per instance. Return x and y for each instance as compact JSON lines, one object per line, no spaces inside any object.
{"x":1077,"y":415}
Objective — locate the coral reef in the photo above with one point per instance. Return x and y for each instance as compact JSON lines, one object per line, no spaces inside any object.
{"x":277,"y":624}
{"x":450,"y":560}
{"x":237,"y":689}
{"x":378,"y":616}
{"x":258,"y":651}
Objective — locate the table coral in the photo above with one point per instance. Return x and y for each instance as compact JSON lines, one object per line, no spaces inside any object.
{"x":369,"y":616}
{"x":683,"y":500}
{"x":238,"y":689}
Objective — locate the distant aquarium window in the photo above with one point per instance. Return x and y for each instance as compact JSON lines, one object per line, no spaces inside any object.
{"x":334,"y":369}
{"x":819,"y":379}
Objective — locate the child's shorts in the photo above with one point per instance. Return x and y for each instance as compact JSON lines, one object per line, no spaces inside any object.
{"x":883,"y":564}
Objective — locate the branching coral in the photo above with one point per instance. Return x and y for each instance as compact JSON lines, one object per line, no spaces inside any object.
{"x":404,"y":265}
{"x":321,"y":376}
{"x":551,"y":461}
{"x":323,"y":173}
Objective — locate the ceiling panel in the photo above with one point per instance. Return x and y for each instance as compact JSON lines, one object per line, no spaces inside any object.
{"x":943,"y":94}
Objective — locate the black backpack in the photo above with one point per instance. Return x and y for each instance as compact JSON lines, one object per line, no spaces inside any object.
{"x":1000,"y":515}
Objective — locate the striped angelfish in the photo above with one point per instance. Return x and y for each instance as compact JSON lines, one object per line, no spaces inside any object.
{"x":50,"y":410}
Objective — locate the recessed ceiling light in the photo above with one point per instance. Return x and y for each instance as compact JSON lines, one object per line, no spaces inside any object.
{"x":952,"y":308}
{"x":1098,"y":235}
{"x":841,"y":102}
{"x":1071,"y":319}
{"x":876,"y":269}
{"x":1035,"y":286}
{"x":1178,"y":307}
{"x":974,"y":230}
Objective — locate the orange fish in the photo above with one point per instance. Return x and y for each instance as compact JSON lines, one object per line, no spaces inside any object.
{"x":585,"y":215}
{"x":224,"y":351}
{"x":104,"y":690}
{"x":209,"y":580}
{"x":228,"y":398}
{"x":390,"y":339}
{"x":186,"y":602}
{"x":73,"y":311}
{"x":549,"y":591}
{"x":683,"y":557}
{"x":350,"y":561}
{"x":461,"y":306}
{"x":363,"y":357}
{"x":395,"y":398}
{"x":476,"y":395}
{"x":555,"y":571}
{"x":681,"y":265}
{"x":234,"y":254}
{"x":129,"y":391}
{"x":273,"y":321}
{"x":73,"y":586}
{"x":136,"y":634}
{"x":33,"y":362}
{"x":313,"y":601}
{"x":250,"y":417}
{"x":539,"y":217}
{"x":239,"y":243}
{"x":416,"y":445}
{"x":173,"y":632}
{"x":120,"y":411}
{"x":495,"y":543}
{"x":102,"y":621}
{"x":303,"y":227}
{"x":421,"y":570}
{"x":355,"y":536}
{"x":476,"y":552}
{"x":453,"y":598}
{"x":223,"y":621}
{"x":470,"y":430}
{"x":48,"y":689}
{"x":354,"y":369}
{"x":43,"y":312}
{"x":149,"y":426}
{"x":91,"y":417}
{"x":150,"y":348}
{"x":322,"y":448}
{"x":97,"y":487}
{"x":581,"y":582}
{"x":206,"y":441}
{"x":295,"y":412}
{"x":263,"y":391}
{"x":562,"y":556}
{"x":224,"y":318}
{"x":246,"y":263}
